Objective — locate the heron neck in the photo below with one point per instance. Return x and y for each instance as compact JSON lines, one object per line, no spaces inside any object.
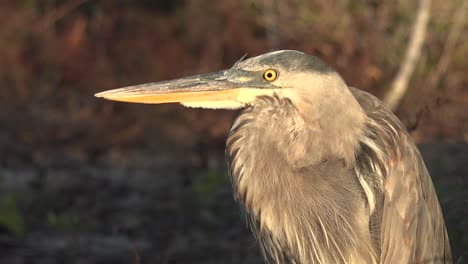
{"x":295,"y":132}
{"x":278,"y":161}
{"x":331,"y":120}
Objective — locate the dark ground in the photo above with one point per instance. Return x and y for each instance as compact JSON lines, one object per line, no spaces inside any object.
{"x":167,"y":204}
{"x":84,"y":180}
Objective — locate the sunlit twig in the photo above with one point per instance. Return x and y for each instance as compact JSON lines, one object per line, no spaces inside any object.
{"x":458,"y":22}
{"x":413,"y":52}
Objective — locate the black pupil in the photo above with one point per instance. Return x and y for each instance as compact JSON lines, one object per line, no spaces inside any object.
{"x":269,"y":75}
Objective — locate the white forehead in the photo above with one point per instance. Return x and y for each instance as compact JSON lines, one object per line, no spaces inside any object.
{"x":290,"y":60}
{"x":267,"y":60}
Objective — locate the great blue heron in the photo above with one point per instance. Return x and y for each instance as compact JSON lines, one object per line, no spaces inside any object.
{"x":325,"y":172}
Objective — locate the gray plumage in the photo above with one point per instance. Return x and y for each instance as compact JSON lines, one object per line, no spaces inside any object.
{"x":325,"y":173}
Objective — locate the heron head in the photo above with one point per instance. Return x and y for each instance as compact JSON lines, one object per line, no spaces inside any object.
{"x":279,"y":72}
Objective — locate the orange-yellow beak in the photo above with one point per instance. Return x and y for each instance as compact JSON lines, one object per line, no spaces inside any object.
{"x":211,"y":88}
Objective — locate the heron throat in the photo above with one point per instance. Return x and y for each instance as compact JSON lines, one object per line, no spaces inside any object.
{"x":277,"y":142}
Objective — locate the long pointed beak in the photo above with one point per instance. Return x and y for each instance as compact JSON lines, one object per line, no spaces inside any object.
{"x":210,"y":87}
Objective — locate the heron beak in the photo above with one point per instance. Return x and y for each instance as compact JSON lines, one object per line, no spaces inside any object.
{"x":205,"y":90}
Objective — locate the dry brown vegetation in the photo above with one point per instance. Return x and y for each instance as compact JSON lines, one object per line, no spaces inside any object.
{"x":163,"y":200}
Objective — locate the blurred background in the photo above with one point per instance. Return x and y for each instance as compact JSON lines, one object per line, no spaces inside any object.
{"x":83,"y":180}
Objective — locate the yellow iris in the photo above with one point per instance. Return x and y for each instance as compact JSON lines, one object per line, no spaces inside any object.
{"x":270,"y":75}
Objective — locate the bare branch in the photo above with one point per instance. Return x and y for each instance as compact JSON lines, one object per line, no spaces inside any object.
{"x":413,"y":52}
{"x":456,"y":29}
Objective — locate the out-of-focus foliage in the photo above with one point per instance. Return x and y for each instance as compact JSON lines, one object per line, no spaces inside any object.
{"x":56,"y":56}
{"x":210,"y":181}
{"x":59,"y":57}
{"x":10,"y":216}
{"x":100,"y":179}
{"x":63,"y":220}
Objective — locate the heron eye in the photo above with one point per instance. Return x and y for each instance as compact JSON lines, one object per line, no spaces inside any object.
{"x":270,"y":75}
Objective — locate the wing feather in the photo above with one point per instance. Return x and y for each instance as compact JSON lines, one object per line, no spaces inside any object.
{"x":407,"y":223}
